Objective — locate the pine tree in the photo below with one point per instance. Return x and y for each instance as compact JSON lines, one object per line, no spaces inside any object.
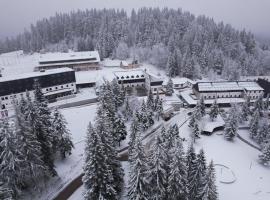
{"x":214,"y":111}
{"x":192,"y":120}
{"x":209,"y":189}
{"x":128,"y":113}
{"x":177,"y":183}
{"x":96,"y":172}
{"x":135,"y":127}
{"x":61,"y":134}
{"x":264,"y":157}
{"x":263,"y":132}
{"x":254,"y":125}
{"x":157,"y":170}
{"x":202,"y":107}
{"x":104,"y":128}
{"x":150,"y":101}
{"x":41,"y":123}
{"x":159,"y":107}
{"x":195,"y":131}
{"x":119,"y":128}
{"x":118,"y":94}
{"x":138,"y":188}
{"x":245,"y":111}
{"x":11,"y":159}
{"x":169,"y":88}
{"x":190,"y":163}
{"x":198,"y":172}
{"x":231,"y":125}
{"x":30,"y":148}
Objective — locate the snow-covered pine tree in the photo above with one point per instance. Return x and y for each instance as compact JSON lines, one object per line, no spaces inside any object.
{"x":169,"y":88}
{"x":209,"y":188}
{"x":96,"y":172}
{"x":61,"y":134}
{"x":254,"y":125}
{"x":104,"y":128}
{"x":172,"y":68}
{"x":191,"y":159}
{"x":138,"y":187}
{"x":11,"y":159}
{"x":197,"y":179}
{"x":135,"y":127}
{"x":264,"y":157}
{"x":144,"y":116}
{"x":259,"y":105}
{"x":214,"y":111}
{"x":30,"y":148}
{"x":263,"y":132}
{"x":128,"y":113}
{"x":202,"y":106}
{"x":158,"y":107}
{"x":41,"y":125}
{"x":157,"y":170}
{"x":231,"y":126}
{"x":245,"y":111}
{"x":119,"y":130}
{"x":177,"y":181}
{"x":150,"y":101}
{"x":118,"y":94}
{"x":195,"y":131}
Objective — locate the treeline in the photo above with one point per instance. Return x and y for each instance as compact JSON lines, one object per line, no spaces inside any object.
{"x":171,"y":39}
{"x":29,"y":144}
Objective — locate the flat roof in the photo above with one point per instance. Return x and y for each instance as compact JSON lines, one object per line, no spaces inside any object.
{"x":228,"y":86}
{"x":67,"y":58}
{"x":35,"y":74}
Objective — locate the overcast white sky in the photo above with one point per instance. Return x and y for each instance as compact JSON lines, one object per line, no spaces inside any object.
{"x":254,"y":15}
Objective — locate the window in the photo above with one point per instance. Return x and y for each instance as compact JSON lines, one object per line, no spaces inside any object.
{"x":47,"y":89}
{"x":155,"y":89}
{"x":137,"y":76}
{"x":66,"y":85}
{"x":6,"y":98}
{"x":117,"y":77}
{"x":132,"y":76}
{"x":71,"y":84}
{"x":62,"y":86}
{"x":50,"y":89}
{"x":127,"y":76}
{"x":142,"y":75}
{"x":122,"y":77}
{"x":3,"y":98}
{"x":56,"y":88}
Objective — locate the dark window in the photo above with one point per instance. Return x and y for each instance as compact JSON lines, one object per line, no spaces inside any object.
{"x":6,"y":98}
{"x":127,"y":76}
{"x":142,"y":75}
{"x":132,"y":76}
{"x":56,"y":88}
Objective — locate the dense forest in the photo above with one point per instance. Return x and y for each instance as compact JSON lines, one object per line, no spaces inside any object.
{"x":171,"y":39}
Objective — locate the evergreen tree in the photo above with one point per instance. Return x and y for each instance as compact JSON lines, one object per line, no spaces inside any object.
{"x":150,"y":101}
{"x":40,"y":119}
{"x":254,"y":125}
{"x":231,"y":125}
{"x":96,"y":172}
{"x":177,"y":183}
{"x":191,"y":158}
{"x":172,"y":68}
{"x":104,"y":128}
{"x":30,"y":148}
{"x":62,"y":136}
{"x":169,"y":88}
{"x":138,"y":188}
{"x":202,"y":106}
{"x":214,"y":111}
{"x":264,"y":157}
{"x":135,"y":127}
{"x":157,"y":170}
{"x":11,"y":159}
{"x":118,"y":94}
{"x":128,"y":113}
{"x":195,"y":131}
{"x":158,"y":107}
{"x":245,"y":111}
{"x":120,"y":131}
{"x":209,"y":189}
{"x":197,"y":178}
{"x":192,"y":120}
{"x":263,"y":132}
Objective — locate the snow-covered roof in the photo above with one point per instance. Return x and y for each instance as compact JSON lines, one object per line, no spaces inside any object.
{"x":179,"y":80}
{"x":34,"y":74}
{"x":227,"y":86}
{"x":68,"y":58}
{"x":114,"y":63}
{"x":129,"y":74}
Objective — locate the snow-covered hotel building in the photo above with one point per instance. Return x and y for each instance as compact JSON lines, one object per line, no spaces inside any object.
{"x":139,"y":79}
{"x":79,"y":61}
{"x":55,"y":83}
{"x":227,"y":89}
